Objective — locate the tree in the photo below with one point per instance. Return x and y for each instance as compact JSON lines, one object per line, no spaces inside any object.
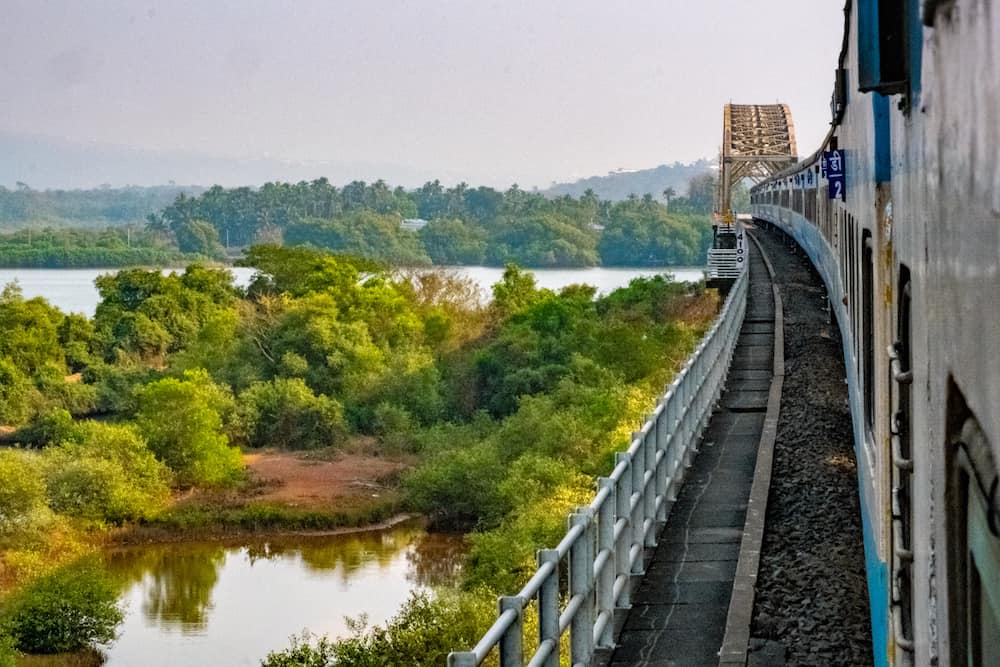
{"x":105,"y":472}
{"x":668,"y":194}
{"x":65,"y":611}
{"x":198,"y":237}
{"x":182,"y":420}
{"x":286,"y":413}
{"x":515,"y":291}
{"x":22,"y":491}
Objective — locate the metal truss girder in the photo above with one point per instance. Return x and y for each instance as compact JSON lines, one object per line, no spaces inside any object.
{"x":758,"y":140}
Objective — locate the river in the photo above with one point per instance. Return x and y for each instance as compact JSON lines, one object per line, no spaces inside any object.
{"x":230,"y":603}
{"x":73,"y":290}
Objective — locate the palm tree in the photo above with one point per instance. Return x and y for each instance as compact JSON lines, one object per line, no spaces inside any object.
{"x":668,"y":194}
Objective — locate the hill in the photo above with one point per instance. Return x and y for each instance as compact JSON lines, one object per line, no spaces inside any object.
{"x":101,"y":207}
{"x":618,"y":185}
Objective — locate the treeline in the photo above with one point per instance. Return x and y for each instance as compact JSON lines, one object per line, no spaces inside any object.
{"x":23,"y":206}
{"x":508,"y":410}
{"x":82,"y":248}
{"x":465,"y":225}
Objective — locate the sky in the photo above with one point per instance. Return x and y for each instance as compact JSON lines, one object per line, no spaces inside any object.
{"x":490,"y":92}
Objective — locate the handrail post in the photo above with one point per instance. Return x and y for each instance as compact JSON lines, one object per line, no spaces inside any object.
{"x":606,"y":544}
{"x":512,"y":643}
{"x":548,"y":606}
{"x":638,"y":530}
{"x":581,"y":582}
{"x":462,"y":659}
{"x":687,"y":430}
{"x":662,"y":469}
{"x":649,"y":488}
{"x":674,"y":469}
{"x":623,"y":496}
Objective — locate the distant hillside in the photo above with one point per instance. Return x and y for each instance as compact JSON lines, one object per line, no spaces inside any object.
{"x":618,"y":185}
{"x":43,"y":162}
{"x":101,"y":207}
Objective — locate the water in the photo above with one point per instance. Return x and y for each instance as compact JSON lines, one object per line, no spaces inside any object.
{"x":605,"y":279}
{"x":229,"y":604}
{"x":73,"y":290}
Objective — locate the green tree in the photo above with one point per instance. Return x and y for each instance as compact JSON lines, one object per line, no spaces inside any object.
{"x":182,"y":421}
{"x":66,"y":611}
{"x":286,"y":413}
{"x":198,"y":237}
{"x":105,"y":472}
{"x":22,"y":491}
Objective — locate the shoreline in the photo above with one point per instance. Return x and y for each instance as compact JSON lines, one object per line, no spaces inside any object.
{"x":147,"y":535}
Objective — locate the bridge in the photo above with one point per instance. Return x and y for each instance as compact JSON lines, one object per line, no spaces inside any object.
{"x":884,"y":244}
{"x":661,"y":567}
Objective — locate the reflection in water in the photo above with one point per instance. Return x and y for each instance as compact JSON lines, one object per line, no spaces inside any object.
{"x":176,"y":580}
{"x":230,"y":603}
{"x":436,"y":559}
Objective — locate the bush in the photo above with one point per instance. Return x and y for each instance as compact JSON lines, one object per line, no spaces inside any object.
{"x":302,"y":653}
{"x":422,"y":634}
{"x":105,"y":472}
{"x":8,"y":654}
{"x":285,"y":412}
{"x":116,"y":385}
{"x":22,"y":491}
{"x":52,"y":426}
{"x":182,"y":421}
{"x":65,"y":611}
{"x":395,"y":427}
{"x":19,"y":399}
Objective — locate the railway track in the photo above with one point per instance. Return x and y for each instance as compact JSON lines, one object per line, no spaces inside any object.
{"x":761,"y":561}
{"x":811,"y":604}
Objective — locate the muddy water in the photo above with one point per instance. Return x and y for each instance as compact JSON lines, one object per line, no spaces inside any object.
{"x":216,"y":603}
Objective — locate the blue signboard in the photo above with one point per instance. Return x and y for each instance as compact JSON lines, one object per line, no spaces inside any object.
{"x":835,"y":174}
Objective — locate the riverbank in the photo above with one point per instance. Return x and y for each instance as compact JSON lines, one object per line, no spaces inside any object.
{"x":322,"y":492}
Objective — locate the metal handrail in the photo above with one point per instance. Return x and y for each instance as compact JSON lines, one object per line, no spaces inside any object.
{"x":605,"y":540}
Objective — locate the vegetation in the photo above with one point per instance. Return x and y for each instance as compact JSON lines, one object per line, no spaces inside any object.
{"x":464,"y":225}
{"x":505,"y":411}
{"x":25,"y":207}
{"x":420,"y":635}
{"x":80,"y":248}
{"x":65,"y":611}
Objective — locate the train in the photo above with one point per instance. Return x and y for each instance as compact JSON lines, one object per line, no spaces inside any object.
{"x":899,"y":211}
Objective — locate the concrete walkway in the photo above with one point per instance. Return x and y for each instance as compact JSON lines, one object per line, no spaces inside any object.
{"x":678,"y":615}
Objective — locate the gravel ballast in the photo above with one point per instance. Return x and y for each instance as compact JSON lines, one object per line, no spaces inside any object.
{"x":811,"y":588}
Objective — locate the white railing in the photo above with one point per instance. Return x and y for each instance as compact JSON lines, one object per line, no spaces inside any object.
{"x":604,"y":545}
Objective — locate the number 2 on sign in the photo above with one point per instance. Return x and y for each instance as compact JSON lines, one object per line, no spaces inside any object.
{"x":838,"y":188}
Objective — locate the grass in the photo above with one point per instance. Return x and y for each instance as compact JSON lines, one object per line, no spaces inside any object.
{"x":88,"y":657}
{"x":204,"y":520}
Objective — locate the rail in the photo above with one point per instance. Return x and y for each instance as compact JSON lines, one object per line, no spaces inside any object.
{"x":605,"y":542}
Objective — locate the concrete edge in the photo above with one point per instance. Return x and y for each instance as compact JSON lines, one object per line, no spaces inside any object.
{"x":736,"y":640}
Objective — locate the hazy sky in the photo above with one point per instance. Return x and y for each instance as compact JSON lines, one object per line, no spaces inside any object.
{"x":488,"y":91}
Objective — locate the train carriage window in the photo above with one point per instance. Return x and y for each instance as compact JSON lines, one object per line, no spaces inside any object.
{"x":868,"y":326}
{"x":973,"y":504}
{"x":883,"y":57}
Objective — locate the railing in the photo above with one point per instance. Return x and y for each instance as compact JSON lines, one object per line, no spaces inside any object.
{"x":604,"y":545}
